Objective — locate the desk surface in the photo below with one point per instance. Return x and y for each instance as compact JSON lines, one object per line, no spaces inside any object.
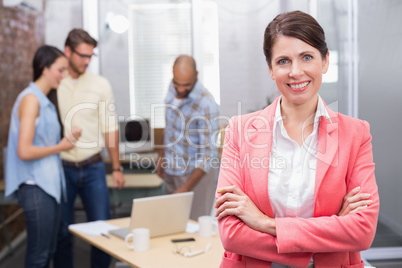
{"x":160,"y":254}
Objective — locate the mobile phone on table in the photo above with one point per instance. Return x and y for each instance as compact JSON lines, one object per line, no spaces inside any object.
{"x":190,"y":239}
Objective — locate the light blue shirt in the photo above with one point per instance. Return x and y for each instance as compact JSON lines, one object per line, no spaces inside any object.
{"x":190,"y":136}
{"x":47,"y":172}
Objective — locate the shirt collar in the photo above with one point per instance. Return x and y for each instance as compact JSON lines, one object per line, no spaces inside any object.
{"x":68,"y":76}
{"x":195,"y":93}
{"x":321,"y":111}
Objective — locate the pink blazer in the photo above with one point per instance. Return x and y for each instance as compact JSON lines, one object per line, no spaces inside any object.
{"x":345,"y":161}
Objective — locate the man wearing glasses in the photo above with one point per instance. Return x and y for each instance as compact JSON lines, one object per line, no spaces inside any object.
{"x":86,"y":100}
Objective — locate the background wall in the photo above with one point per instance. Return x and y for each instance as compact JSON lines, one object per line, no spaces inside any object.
{"x":61,"y":17}
{"x":380,"y":96}
{"x":245,"y":79}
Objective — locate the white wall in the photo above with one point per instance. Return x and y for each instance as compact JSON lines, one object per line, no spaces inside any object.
{"x":61,"y":17}
{"x":114,"y":56}
{"x":380,"y":96}
{"x":245,"y":79}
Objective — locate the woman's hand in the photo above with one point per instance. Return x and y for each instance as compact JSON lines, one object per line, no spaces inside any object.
{"x":234,"y":202}
{"x":74,"y":134}
{"x":354,"y":201}
{"x":68,"y":142}
{"x":65,"y":144}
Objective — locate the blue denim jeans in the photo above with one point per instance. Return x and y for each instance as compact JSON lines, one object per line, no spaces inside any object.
{"x":89,"y":182}
{"x":42,"y":217}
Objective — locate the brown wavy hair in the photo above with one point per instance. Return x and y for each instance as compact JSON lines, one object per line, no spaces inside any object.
{"x":295,"y":24}
{"x":78,"y":36}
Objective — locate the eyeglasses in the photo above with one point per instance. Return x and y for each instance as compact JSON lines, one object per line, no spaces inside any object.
{"x":188,"y":251}
{"x":84,"y":56}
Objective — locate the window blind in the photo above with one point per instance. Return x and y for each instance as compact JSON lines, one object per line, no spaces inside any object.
{"x":159,"y":33}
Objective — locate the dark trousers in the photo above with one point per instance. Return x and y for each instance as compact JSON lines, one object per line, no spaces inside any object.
{"x":89,"y":183}
{"x":42,"y":217}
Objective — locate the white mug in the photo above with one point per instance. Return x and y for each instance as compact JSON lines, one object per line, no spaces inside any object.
{"x":139,"y":239}
{"x":207,"y":226}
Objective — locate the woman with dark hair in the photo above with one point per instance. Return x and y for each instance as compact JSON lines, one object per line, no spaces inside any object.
{"x":34,"y":173}
{"x":296,"y":185}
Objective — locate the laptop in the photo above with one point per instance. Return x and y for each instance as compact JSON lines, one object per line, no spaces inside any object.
{"x":162,"y":214}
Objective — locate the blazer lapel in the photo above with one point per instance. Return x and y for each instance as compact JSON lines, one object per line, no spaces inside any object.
{"x":259,"y":152}
{"x":327,"y":152}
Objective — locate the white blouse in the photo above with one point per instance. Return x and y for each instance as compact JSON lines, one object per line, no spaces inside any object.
{"x":292,"y":170}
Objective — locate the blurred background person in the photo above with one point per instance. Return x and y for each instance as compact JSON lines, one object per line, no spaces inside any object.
{"x":189,"y":145}
{"x":34,"y":173}
{"x":87,"y":98}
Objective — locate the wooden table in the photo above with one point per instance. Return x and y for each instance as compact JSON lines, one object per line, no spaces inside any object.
{"x":160,"y":253}
{"x":137,"y":185}
{"x":137,"y":180}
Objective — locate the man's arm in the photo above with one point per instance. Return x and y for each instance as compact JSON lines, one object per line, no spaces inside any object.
{"x":207,"y":126}
{"x":160,"y":169}
{"x":112,"y":145}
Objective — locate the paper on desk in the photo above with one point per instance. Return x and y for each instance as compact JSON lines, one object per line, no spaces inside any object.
{"x":192,"y":228}
{"x":93,"y":227}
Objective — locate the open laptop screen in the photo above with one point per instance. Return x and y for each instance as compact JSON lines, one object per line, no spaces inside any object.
{"x":162,"y":214}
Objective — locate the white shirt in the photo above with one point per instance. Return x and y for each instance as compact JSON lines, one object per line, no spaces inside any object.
{"x":291,"y":177}
{"x":292,"y":169}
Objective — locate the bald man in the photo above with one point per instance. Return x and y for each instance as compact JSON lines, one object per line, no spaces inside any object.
{"x":187,"y":161}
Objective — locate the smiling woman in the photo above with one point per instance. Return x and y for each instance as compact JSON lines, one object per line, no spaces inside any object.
{"x":292,"y":208}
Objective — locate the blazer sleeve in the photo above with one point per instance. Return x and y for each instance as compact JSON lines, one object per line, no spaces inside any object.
{"x":353,"y":232}
{"x":236,"y":236}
